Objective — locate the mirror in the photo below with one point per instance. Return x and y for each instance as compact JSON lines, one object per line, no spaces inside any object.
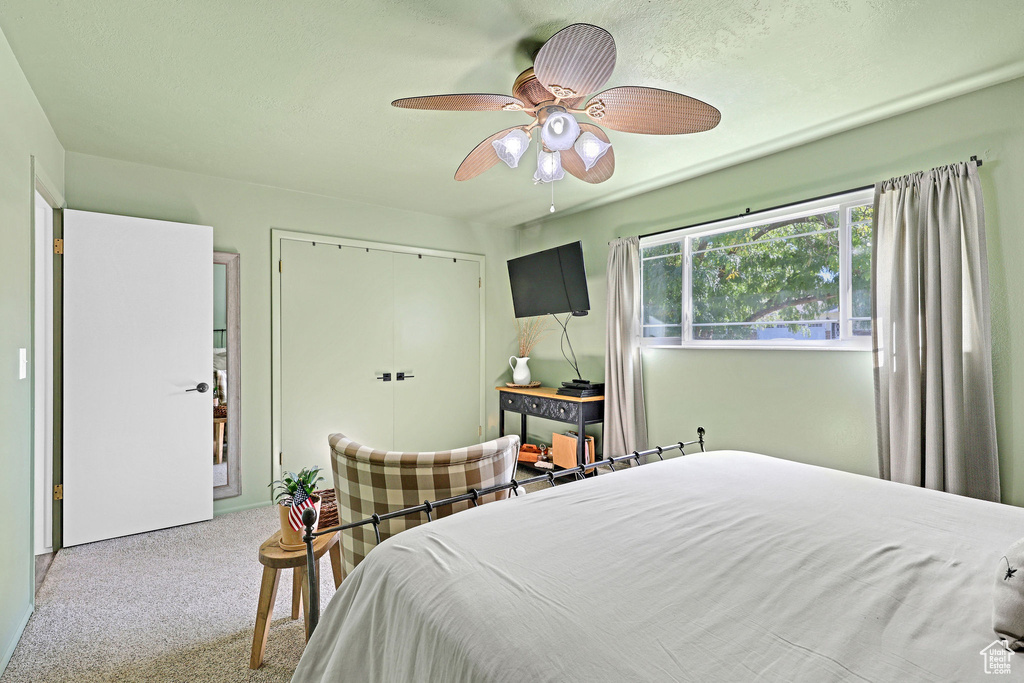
{"x":226,"y":383}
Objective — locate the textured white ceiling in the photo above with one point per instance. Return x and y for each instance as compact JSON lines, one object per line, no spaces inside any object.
{"x":296,"y":94}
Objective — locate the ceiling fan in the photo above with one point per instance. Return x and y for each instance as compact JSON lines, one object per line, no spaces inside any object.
{"x":575,"y":62}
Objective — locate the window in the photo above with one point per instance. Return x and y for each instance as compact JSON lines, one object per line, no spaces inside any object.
{"x":796,"y":277}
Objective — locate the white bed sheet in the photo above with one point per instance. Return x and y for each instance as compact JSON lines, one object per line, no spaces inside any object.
{"x":725,"y":566}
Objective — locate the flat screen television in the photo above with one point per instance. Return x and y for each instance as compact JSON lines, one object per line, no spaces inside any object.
{"x":550,"y":281}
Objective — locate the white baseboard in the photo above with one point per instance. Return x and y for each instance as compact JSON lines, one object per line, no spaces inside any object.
{"x":11,"y":646}
{"x":240,"y":508}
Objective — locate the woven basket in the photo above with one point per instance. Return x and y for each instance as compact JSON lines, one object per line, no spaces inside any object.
{"x":220,"y":411}
{"x":328,"y":508}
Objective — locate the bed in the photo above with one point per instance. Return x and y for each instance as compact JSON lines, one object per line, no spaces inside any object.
{"x":724,"y":566}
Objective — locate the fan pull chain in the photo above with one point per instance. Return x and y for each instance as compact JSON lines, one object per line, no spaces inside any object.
{"x":552,"y":184}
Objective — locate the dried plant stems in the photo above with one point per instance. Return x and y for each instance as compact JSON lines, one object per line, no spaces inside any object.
{"x":530,"y":331}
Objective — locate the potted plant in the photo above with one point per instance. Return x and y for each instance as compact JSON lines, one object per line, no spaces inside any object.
{"x":293,"y":494}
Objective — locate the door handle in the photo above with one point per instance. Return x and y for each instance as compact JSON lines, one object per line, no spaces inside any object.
{"x":402,"y":376}
{"x":202,"y":388}
{"x":386,"y":377}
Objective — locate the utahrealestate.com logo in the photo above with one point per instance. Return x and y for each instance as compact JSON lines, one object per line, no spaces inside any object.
{"x":997,"y":658}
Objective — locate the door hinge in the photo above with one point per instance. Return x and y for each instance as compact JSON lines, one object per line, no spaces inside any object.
{"x":280,"y":266}
{"x":58,"y":492}
{"x":479,"y":282}
{"x":58,"y":246}
{"x":280,"y":459}
{"x":480,"y":431}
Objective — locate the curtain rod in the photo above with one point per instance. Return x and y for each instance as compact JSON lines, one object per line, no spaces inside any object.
{"x":748,"y":212}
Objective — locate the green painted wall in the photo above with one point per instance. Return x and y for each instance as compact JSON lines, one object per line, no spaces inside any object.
{"x":24,"y":133}
{"x":812,"y":406}
{"x":242,"y":216}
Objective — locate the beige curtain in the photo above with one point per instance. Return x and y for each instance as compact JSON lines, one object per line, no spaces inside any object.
{"x":625,"y":422}
{"x":932,"y":340}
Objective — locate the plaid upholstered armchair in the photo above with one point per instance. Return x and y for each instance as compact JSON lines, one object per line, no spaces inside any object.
{"x":369,"y":481}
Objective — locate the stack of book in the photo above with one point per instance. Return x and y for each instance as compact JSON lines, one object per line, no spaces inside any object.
{"x":563,"y":449}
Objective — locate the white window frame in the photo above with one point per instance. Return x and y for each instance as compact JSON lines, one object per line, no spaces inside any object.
{"x":685,"y":236}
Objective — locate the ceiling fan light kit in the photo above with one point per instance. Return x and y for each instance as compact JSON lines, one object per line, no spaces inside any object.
{"x":575,"y":62}
{"x":590,"y":148}
{"x":559,"y":131}
{"x":549,"y":167}
{"x":512,"y":147}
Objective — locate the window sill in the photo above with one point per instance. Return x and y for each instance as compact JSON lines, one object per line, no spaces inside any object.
{"x":764,"y":346}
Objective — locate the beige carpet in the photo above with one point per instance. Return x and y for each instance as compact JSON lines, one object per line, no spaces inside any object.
{"x":171,"y":605}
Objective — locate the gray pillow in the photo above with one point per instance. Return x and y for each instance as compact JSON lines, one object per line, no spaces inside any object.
{"x":1008,"y":598}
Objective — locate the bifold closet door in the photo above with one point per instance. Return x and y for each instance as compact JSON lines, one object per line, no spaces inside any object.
{"x":437,"y":342}
{"x":137,"y":341}
{"x":337,"y":332}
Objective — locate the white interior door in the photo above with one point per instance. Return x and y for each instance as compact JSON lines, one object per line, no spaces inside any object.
{"x":337,"y":331}
{"x":138,"y":334}
{"x":437,"y":341}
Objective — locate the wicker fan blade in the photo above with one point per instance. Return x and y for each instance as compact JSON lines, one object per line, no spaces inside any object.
{"x":635,"y":109}
{"x":599,"y":172}
{"x":482,"y":157}
{"x":461,"y":102}
{"x":576,"y":61}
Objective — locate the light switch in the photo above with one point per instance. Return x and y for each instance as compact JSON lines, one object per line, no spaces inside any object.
{"x":22,"y":363}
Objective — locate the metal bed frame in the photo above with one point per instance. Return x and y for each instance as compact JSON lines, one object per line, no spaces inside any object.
{"x":579,"y":472}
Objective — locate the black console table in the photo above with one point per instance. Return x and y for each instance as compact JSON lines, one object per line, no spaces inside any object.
{"x":545,"y":402}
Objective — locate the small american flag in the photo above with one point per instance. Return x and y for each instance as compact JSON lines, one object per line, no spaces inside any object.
{"x":295,"y":513}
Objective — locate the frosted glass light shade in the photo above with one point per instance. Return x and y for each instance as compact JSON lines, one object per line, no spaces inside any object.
{"x":549,"y":167}
{"x":559,"y":131}
{"x":511,"y":147}
{"x":591,"y":148}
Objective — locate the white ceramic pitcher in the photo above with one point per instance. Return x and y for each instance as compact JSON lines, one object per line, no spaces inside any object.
{"x":520,"y":371}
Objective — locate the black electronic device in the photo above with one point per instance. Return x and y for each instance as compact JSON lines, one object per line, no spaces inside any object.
{"x":549,"y":282}
{"x":581,"y":388}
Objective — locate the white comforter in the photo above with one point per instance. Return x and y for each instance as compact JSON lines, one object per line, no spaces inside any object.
{"x":724,"y":566}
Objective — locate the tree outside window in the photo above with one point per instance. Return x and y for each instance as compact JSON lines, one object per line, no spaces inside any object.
{"x":800,"y":277}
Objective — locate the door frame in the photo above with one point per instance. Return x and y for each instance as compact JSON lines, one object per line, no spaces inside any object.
{"x":50,"y":193}
{"x":41,"y":354}
{"x":278,"y":235}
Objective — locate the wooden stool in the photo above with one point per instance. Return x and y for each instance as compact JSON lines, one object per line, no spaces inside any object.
{"x":274,"y":559}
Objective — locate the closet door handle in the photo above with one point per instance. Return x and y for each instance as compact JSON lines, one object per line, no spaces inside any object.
{"x":402,"y":376}
{"x":202,"y":388}
{"x":386,"y":377}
